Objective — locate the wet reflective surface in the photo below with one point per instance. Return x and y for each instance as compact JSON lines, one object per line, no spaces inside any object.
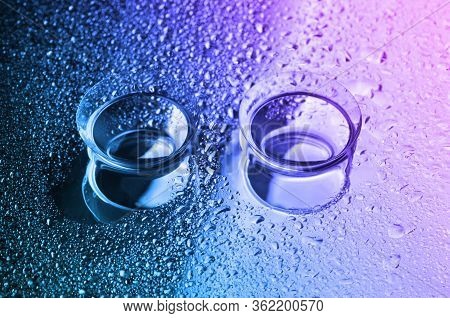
{"x":388,"y":236}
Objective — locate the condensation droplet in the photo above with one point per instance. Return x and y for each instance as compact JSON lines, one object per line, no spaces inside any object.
{"x":396,"y":231}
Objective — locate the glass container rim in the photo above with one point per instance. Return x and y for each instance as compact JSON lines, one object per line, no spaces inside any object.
{"x":126,"y":165}
{"x":291,"y":167}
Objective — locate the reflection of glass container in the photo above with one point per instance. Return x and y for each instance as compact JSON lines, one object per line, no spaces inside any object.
{"x":140,"y":142}
{"x":298,"y":136}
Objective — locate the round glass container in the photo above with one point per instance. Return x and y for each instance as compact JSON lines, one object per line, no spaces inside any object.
{"x":298,"y":133}
{"x":140,"y":130}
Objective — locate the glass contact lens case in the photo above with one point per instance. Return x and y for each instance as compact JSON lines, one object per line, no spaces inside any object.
{"x":297,"y":135}
{"x":140,"y":130}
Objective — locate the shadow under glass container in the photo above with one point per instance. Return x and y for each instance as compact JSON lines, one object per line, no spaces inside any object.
{"x":298,"y":133}
{"x":141,"y":133}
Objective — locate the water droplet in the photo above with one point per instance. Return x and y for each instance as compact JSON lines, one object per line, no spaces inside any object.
{"x":257,"y":251}
{"x":396,"y":231}
{"x":415,"y":196}
{"x":256,"y":219}
{"x":259,"y":27}
{"x":393,"y":261}
{"x":313,"y":241}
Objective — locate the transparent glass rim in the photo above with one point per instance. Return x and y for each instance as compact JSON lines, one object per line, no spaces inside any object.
{"x":289,"y":83}
{"x":160,"y":88}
